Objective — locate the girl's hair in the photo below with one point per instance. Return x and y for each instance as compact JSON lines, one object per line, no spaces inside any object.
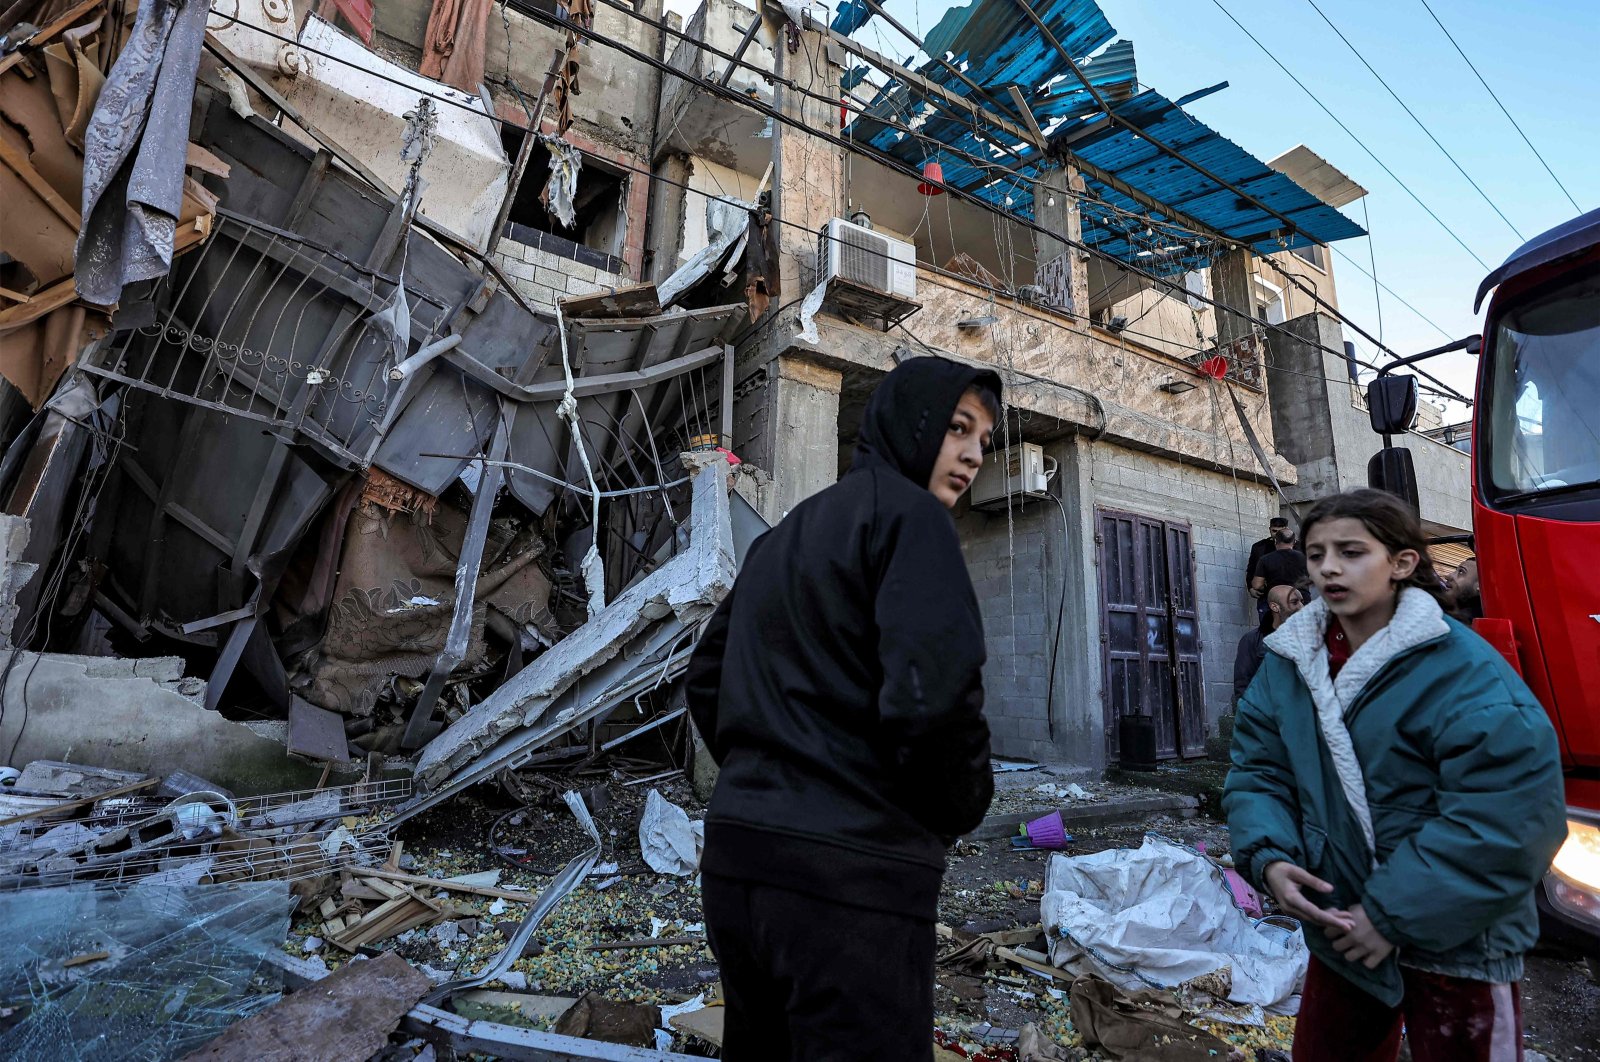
{"x":1387,"y":519}
{"x":990,"y":400}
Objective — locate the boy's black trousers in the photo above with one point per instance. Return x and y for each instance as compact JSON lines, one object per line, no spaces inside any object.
{"x":812,"y":980}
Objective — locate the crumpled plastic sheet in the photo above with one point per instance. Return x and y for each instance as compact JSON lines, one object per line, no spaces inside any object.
{"x":669,"y":842}
{"x":1160,"y":915}
{"x":181,"y":964}
{"x":727,"y":221}
{"x":566,"y":162}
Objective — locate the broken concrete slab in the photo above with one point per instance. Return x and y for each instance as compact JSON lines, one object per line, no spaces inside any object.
{"x":687,"y":587}
{"x":14,"y":572}
{"x":135,"y":715}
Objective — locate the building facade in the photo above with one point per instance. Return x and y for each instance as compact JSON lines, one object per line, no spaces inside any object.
{"x":1182,"y":375}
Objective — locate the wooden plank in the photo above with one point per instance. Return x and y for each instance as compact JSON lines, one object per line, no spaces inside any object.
{"x":639,"y":300}
{"x":49,"y":31}
{"x":201,"y":159}
{"x":72,"y":805}
{"x":348,"y":1015}
{"x":389,"y":891}
{"x":450,"y":886}
{"x":41,"y":187}
{"x":52,"y":298}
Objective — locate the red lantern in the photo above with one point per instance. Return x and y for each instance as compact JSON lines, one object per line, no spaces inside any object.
{"x":932,"y":177}
{"x":1215,"y":367}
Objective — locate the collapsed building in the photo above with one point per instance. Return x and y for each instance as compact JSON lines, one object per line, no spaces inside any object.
{"x":450,"y":288}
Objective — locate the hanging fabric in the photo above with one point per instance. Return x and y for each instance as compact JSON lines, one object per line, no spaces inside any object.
{"x":454,"y":44}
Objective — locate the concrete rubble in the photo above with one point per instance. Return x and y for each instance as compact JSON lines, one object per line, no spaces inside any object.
{"x":292,"y":515}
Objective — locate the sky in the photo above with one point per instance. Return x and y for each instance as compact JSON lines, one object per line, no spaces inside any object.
{"x":1537,"y":55}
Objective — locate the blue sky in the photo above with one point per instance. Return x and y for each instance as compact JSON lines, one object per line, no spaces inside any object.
{"x":1538,"y":55}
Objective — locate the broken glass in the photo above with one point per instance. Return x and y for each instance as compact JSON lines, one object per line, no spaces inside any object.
{"x":144,"y":971}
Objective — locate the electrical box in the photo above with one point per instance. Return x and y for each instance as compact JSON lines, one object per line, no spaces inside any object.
{"x":1021,"y":471}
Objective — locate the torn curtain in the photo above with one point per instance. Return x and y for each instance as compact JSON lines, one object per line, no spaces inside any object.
{"x":135,"y":149}
{"x":453,"y":47}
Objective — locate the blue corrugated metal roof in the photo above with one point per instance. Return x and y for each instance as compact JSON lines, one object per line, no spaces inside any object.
{"x":996,"y":46}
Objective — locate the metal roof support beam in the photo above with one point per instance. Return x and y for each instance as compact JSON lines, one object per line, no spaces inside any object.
{"x":1105,"y":105}
{"x":973,"y":110}
{"x":738,"y":53}
{"x":963,"y":106}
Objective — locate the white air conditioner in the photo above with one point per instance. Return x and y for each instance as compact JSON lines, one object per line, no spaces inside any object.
{"x":1023,"y":471}
{"x":870,"y":259}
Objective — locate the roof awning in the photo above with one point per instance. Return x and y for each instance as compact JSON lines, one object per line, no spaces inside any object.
{"x":993,"y":45}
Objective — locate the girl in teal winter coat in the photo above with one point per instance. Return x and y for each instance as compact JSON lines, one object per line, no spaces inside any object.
{"x":1397,"y":788}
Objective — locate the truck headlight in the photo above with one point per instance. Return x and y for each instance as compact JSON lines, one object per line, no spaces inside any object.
{"x":1573,"y":884}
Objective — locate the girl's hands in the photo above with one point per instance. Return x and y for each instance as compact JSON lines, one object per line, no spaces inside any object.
{"x":1287,"y":882}
{"x":1361,"y":942}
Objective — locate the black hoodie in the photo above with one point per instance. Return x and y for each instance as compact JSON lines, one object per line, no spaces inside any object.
{"x":838,"y":686}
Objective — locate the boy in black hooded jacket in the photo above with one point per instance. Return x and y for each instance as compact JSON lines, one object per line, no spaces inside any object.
{"x":839,"y":689}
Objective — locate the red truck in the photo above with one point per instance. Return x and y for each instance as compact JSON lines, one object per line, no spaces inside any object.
{"x":1536,"y":518}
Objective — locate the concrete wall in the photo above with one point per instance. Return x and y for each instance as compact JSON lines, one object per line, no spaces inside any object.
{"x":617,"y":104}
{"x":543,"y":278}
{"x":1321,"y":428}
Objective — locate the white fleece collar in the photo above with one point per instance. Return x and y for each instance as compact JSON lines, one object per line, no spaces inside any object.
{"x":1417,"y":619}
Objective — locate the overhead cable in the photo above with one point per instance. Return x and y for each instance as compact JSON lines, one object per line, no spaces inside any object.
{"x":1359,"y":142}
{"x":1405,"y":107}
{"x":1502,"y":106}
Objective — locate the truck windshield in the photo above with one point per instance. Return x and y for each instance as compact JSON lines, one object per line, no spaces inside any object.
{"x":1540,"y":425}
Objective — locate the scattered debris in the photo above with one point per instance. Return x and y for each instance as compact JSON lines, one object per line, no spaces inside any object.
{"x":350,"y":1015}
{"x":1159,"y":916}
{"x":1140,"y":1025}
{"x":670,"y":842}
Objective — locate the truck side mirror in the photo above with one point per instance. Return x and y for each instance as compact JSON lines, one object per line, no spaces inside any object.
{"x":1392,"y":403}
{"x":1391,"y":469}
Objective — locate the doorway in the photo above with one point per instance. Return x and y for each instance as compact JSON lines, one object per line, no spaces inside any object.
{"x":1150,"y":630}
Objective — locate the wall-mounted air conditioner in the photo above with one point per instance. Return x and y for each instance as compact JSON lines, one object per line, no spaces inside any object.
{"x":880,"y":263}
{"x":1021,"y":471}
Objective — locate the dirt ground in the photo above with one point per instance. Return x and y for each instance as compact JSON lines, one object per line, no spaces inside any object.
{"x":989,"y":886}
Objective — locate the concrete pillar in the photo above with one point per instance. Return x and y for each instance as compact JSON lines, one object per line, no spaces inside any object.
{"x":1060,"y":264}
{"x":786,"y":420}
{"x":670,"y":209}
{"x":808,"y":173}
{"x":1079,"y":712}
{"x":1231,"y":286}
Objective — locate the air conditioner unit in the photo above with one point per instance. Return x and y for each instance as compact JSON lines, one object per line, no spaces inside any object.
{"x":881,"y":263}
{"x":1021,"y":471}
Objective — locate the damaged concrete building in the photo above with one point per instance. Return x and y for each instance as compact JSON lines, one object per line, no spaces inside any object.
{"x":388,"y":391}
{"x":454,"y":284}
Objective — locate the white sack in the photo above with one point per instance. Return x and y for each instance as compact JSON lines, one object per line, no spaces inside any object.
{"x":1160,"y":915}
{"x":669,"y":842}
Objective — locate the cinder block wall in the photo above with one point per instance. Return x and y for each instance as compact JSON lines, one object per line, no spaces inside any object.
{"x":542,"y":277}
{"x":1017,"y":571}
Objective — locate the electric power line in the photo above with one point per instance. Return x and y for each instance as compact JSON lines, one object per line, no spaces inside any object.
{"x":1359,"y":142}
{"x":1357,"y":53}
{"x":1502,"y":107}
{"x":556,"y":21}
{"x":1006,"y":174}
